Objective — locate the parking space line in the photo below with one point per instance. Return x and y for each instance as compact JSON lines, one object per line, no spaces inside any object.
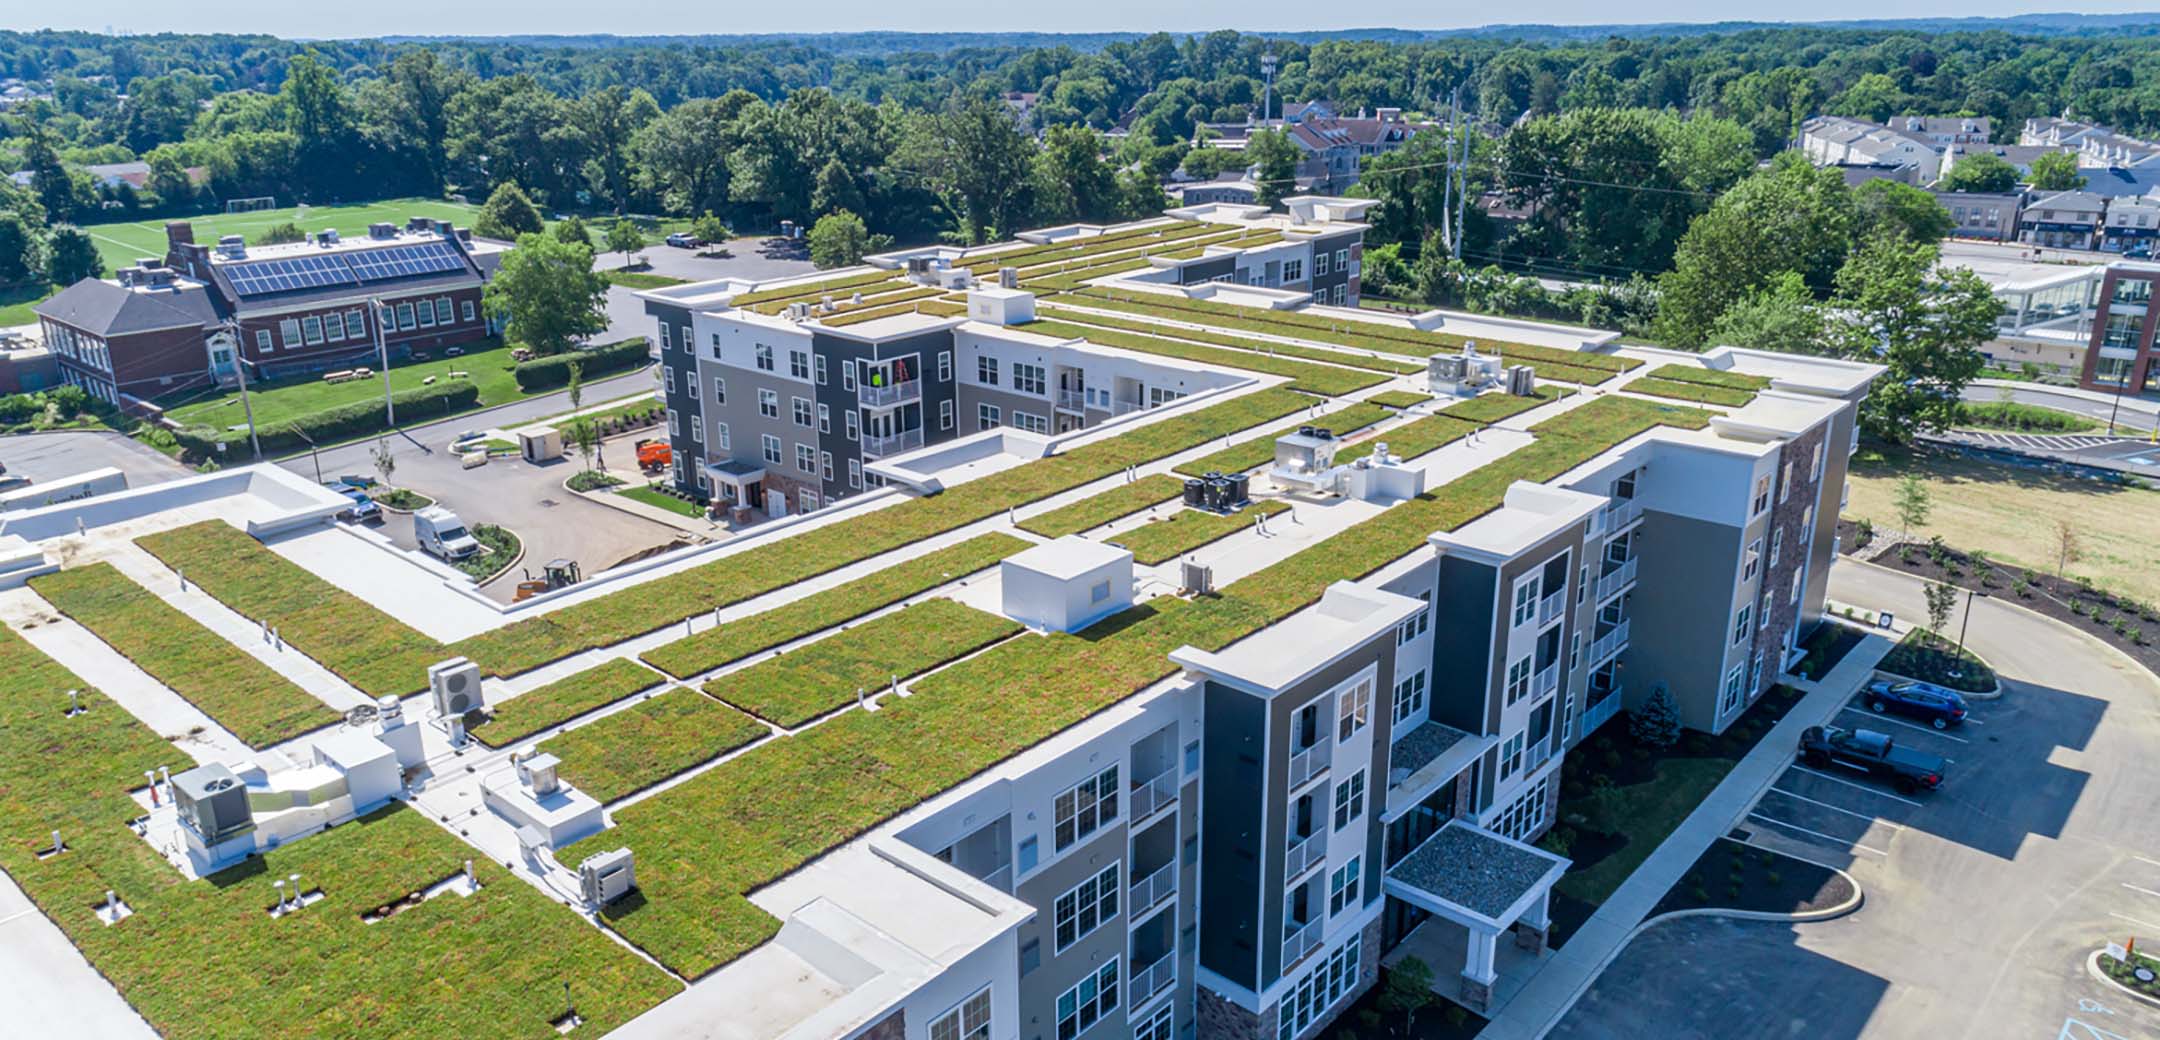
{"x":1827,"y":837}
{"x":2135,"y":921}
{"x":2141,"y":891}
{"x":1907,"y":725}
{"x":1833,"y":808}
{"x":2147,"y":862}
{"x":1858,"y":787}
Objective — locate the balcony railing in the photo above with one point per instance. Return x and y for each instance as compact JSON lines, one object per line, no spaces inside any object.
{"x":1609,"y":644}
{"x":1122,"y":407}
{"x":1620,"y":513}
{"x":1298,"y":941}
{"x":1536,"y":754}
{"x":1072,"y":400}
{"x":1550,"y":607}
{"x":1152,"y":794}
{"x":1306,"y":764}
{"x":1153,"y":979}
{"x":1302,"y":854}
{"x":1546,"y":681}
{"x":886,"y":396}
{"x":1000,"y":879}
{"x":1153,"y":889}
{"x":879,"y":445}
{"x":1602,"y":710}
{"x":1611,"y":583}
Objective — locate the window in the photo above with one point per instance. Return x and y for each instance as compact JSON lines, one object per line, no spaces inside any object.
{"x":945,"y":414}
{"x":427,"y":314}
{"x":666,"y":339}
{"x":1319,"y":297}
{"x":801,"y":408}
{"x":825,"y":469}
{"x":772,"y":448}
{"x":1777,"y":545}
{"x":1084,"y":806}
{"x":1750,"y":560}
{"x":1085,"y":906}
{"x":798,"y":364}
{"x":1511,"y":755}
{"x":311,"y":329}
{"x":986,"y":371}
{"x":944,"y":366}
{"x":288,"y":332}
{"x":1031,"y":422}
{"x":1343,"y":887}
{"x":768,"y":404}
{"x":1762,"y":496}
{"x":333,"y":326}
{"x":1526,"y":601}
{"x":445,"y":316}
{"x":1158,"y":1026}
{"x":1293,"y":270}
{"x":262,"y":340}
{"x":1415,"y":626}
{"x":1785,"y":484}
{"x":806,"y":459}
{"x":1354,"y":709}
{"x":1349,"y":799}
{"x":669,"y":375}
{"x":1731,"y":698}
{"x":721,"y":432}
{"x":824,"y":418}
{"x":854,"y":474}
{"x":719,"y":390}
{"x":405,"y":318}
{"x":1320,"y":263}
{"x":1028,"y":379}
{"x":807,"y":501}
{"x":1797,"y":577}
{"x":1739,"y":625}
{"x":821,"y":370}
{"x":1518,"y":679}
{"x":1409,"y":697}
{"x":1025,"y":859}
{"x":853,"y":423}
{"x":986,"y":416}
{"x":674,"y":426}
{"x":764,"y":358}
{"x":697,"y":432}
{"x":1526,"y":814}
{"x":468,"y":312}
{"x":1085,"y":1004}
{"x":1329,"y":981}
{"x":1342,"y":259}
{"x":847,"y":375}
{"x":1340,"y":293}
{"x":969,"y":1021}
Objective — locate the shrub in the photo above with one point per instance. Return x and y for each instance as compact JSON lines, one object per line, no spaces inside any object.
{"x":553,"y":371}
{"x":1864,"y":531}
{"x":1657,"y":725}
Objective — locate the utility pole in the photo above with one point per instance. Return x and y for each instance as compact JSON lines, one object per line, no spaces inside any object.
{"x":1459,"y":168}
{"x":1267,"y":92}
{"x":232,"y":328}
{"x":382,"y":354}
{"x":1447,"y":176}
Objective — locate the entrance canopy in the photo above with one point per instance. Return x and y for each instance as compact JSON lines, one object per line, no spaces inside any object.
{"x":1475,"y":877}
{"x":737,"y":475}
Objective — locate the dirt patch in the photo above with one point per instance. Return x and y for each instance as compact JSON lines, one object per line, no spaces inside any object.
{"x":2119,"y":621}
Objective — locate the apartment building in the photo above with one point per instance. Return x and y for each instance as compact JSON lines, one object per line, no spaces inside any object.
{"x":1917,"y":143}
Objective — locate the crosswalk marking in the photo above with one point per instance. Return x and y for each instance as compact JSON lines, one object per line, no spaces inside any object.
{"x":2046,"y":441}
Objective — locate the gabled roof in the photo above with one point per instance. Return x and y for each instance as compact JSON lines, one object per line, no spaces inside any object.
{"x":103,"y":308}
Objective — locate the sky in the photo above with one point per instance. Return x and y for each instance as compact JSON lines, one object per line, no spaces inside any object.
{"x":672,"y":17}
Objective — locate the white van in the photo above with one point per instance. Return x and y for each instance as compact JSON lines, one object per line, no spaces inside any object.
{"x":441,"y":533}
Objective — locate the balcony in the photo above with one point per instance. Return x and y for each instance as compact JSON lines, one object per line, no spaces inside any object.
{"x":1299,"y":940}
{"x":1602,"y":708}
{"x":1546,"y":681}
{"x":1153,"y":979}
{"x":1614,"y":581}
{"x":1000,"y":879}
{"x":903,"y":392}
{"x":1604,"y":646}
{"x":1153,"y":889}
{"x":1536,"y":754}
{"x":1072,"y":400}
{"x":1550,"y":607}
{"x":880,"y":445}
{"x":1149,"y":795}
{"x":1303,"y":853}
{"x":1620,"y":513}
{"x":1123,"y":406}
{"x":1306,"y":764}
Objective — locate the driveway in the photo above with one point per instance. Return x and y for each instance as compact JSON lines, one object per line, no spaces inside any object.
{"x":1982,"y":899}
{"x":45,"y":457}
{"x":754,"y":258}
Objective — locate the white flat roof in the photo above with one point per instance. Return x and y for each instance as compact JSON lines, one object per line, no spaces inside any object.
{"x":1529,"y":513}
{"x":1069,"y":557}
{"x":1277,"y":657}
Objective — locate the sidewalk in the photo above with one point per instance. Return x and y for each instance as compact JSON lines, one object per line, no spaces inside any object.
{"x":1554,"y":990}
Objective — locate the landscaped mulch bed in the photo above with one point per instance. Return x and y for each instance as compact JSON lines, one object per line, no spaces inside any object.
{"x":1852,"y":538}
{"x":1924,"y":656}
{"x":1366,"y":1019}
{"x":1826,"y":646}
{"x":1730,"y":875}
{"x":2125,"y":972}
{"x":2091,"y":610}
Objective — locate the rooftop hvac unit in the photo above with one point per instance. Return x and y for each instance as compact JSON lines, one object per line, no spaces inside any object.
{"x":1521,"y":380}
{"x":330,"y":237}
{"x":382,"y":229}
{"x":1009,"y":277}
{"x":232,"y":247}
{"x":918,"y":266}
{"x":798,"y":312}
{"x":213,"y":801}
{"x":537,"y":772}
{"x":455,"y":684}
{"x":1196,"y":578}
{"x":607,"y":877}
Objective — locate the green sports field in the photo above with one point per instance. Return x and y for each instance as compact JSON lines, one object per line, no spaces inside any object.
{"x":123,"y":243}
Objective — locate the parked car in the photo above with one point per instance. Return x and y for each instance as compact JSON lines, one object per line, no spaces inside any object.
{"x":441,"y":533}
{"x":362,"y":509}
{"x":1927,"y":702}
{"x":683,"y":240}
{"x":1872,"y":753}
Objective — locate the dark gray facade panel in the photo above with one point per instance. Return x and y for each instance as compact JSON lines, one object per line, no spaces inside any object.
{"x":1233,"y":751}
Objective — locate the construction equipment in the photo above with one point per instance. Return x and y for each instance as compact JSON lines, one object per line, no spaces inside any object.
{"x":654,"y":454}
{"x":556,"y":575}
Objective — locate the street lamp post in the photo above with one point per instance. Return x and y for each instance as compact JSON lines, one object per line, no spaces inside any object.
{"x":232,"y":328}
{"x":382,"y":353}
{"x":1267,"y":94}
{"x":1963,"y":624}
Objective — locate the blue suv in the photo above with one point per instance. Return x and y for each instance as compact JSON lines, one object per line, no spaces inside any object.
{"x":1927,"y":702}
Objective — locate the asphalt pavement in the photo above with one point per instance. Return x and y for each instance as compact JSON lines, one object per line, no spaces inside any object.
{"x":45,"y":457}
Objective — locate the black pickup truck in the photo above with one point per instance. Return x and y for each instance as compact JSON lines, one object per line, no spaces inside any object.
{"x":1876,"y":754}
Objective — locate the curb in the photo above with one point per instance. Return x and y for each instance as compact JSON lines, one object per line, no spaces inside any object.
{"x":2092,"y":968}
{"x":2037,"y":616}
{"x":1981,"y":695}
{"x":505,"y":569}
{"x":432,"y":502}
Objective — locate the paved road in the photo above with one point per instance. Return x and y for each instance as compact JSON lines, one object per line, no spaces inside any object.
{"x":2131,"y":414}
{"x":1983,"y":899}
{"x":753,"y":258}
{"x":49,"y":456}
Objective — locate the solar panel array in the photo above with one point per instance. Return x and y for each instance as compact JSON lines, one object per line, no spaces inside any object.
{"x":260,"y":277}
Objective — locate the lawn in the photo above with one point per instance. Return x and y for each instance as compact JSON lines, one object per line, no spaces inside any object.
{"x":16,"y":301}
{"x":650,"y":741}
{"x":741,"y":637}
{"x":2017,"y":417}
{"x":488,"y":368}
{"x":1121,"y":501}
{"x":562,"y":700}
{"x":651,"y":495}
{"x":1681,"y":390}
{"x":1398,"y":399}
{"x":121,"y":244}
{"x":363,"y":645}
{"x":484,"y":966}
{"x":801,"y":685}
{"x":1189,"y":529}
{"x":1411,"y":439}
{"x":2010,"y":512}
{"x":244,"y":695}
{"x":1352,"y":359}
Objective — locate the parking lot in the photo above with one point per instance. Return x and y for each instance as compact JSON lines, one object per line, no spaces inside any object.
{"x":1982,"y":899}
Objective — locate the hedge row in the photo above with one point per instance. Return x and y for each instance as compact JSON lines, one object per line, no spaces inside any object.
{"x":717,"y":836}
{"x":554,"y":370}
{"x":610,"y":619}
{"x":1189,"y":529}
{"x":737,"y":639}
{"x":1326,"y":380}
{"x":1259,"y":451}
{"x":344,"y":421}
{"x":562,"y":700}
{"x":1269,"y":347}
{"x":801,"y":685}
{"x":1700,"y":393}
{"x":1089,"y":513}
{"x":363,"y":645}
{"x":509,"y":945}
{"x":656,"y":738}
{"x":247,"y":697}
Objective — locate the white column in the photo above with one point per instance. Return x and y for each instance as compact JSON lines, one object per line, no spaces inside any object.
{"x":1478,"y":958}
{"x":1539,"y":914}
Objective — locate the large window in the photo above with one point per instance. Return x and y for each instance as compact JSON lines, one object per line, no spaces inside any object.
{"x":970,"y":1020}
{"x":1511,"y":756}
{"x":1329,"y":981}
{"x":1518,"y":679}
{"x":1409,"y":697}
{"x":1084,"y":806}
{"x":1343,"y":886}
{"x":1028,"y":379}
{"x":1293,"y":271}
{"x":1085,"y":1004}
{"x":1349,"y":800}
{"x":1030,"y":422}
{"x":768,"y":404}
{"x":1158,"y":1026}
{"x":806,"y":459}
{"x":801,"y":407}
{"x":1525,"y":601}
{"x":1086,"y":906}
{"x":772,"y":448}
{"x":764,"y":357}
{"x":1526,"y":814}
{"x":405,"y":318}
{"x":311,"y":329}
{"x":986,"y":370}
{"x":798,"y":364}
{"x":986,"y":416}
{"x":1354,"y":709}
{"x":333,"y":326}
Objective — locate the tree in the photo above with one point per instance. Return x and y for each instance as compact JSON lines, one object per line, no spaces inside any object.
{"x":683,"y":155}
{"x":1071,"y":180}
{"x":608,"y":119}
{"x":70,"y":256}
{"x":2055,"y":171}
{"x":2068,"y":547}
{"x":385,"y":461}
{"x":838,"y":240}
{"x":1274,"y":159}
{"x":1657,"y":725}
{"x":1886,"y":205}
{"x":279,"y":234}
{"x":1979,"y":172}
{"x":1913,"y":504}
{"x":710,"y":229}
{"x":1781,"y":316}
{"x":22,"y":251}
{"x":582,"y":433}
{"x":508,"y":213}
{"x":549,"y":293}
{"x":1925,"y":326}
{"x":1408,"y":989}
{"x":1941,"y":600}
{"x":624,"y":237}
{"x":1791,"y":216}
{"x":978,"y":161}
{"x":572,"y":230}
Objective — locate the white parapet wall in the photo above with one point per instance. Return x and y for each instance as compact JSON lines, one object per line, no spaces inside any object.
{"x":264,"y":499}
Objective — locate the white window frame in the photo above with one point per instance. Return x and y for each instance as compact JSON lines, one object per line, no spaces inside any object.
{"x":1409,"y":697}
{"x":1353,"y":709}
{"x":1101,"y":792}
{"x":1343,"y":885}
{"x":768,"y":403}
{"x":968,"y":1020}
{"x":1087,"y":906}
{"x":798,"y":364}
{"x":945,"y":414}
{"x":799,"y":410}
{"x":1348,"y":800}
{"x":771,"y":446}
{"x":987,"y":416}
{"x":1102,"y":988}
{"x":761,"y":355}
